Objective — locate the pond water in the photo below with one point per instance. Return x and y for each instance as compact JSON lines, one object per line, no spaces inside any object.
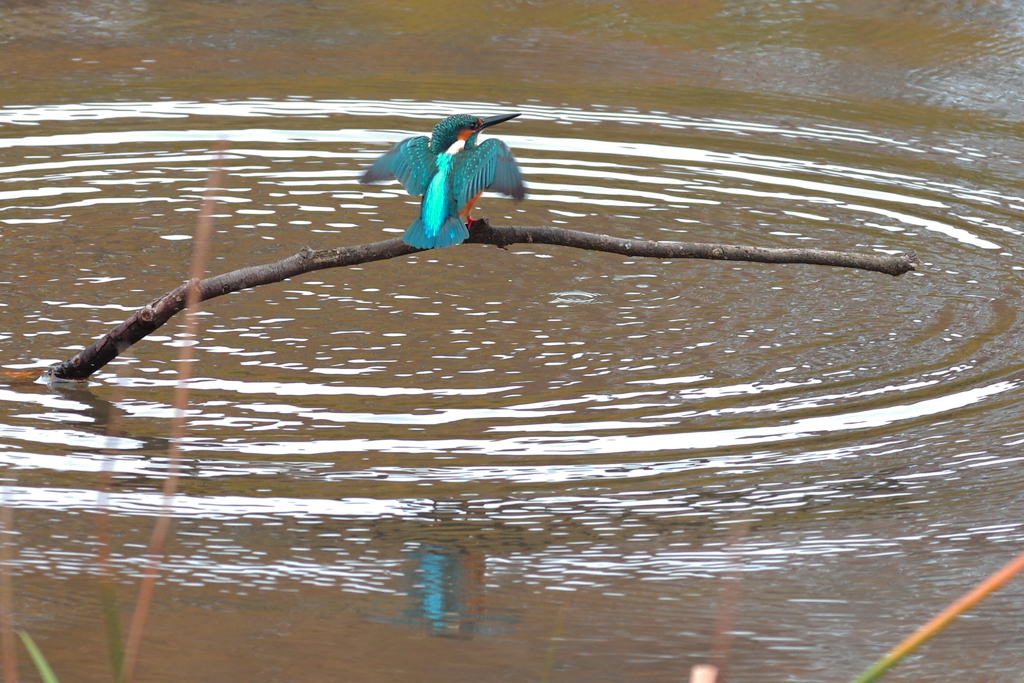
{"x":534,"y":463}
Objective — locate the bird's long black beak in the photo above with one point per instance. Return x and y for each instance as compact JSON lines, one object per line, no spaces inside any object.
{"x":494,"y":120}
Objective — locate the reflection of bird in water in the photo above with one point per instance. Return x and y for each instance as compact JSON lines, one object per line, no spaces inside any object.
{"x":450,"y":171}
{"x":450,"y":589}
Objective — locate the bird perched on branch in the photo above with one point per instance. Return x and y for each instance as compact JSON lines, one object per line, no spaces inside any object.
{"x":450,"y":171}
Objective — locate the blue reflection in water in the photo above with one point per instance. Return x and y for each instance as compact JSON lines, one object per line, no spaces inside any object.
{"x":445,"y":593}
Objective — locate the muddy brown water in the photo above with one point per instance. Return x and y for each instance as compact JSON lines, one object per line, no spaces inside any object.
{"x":532,"y":464}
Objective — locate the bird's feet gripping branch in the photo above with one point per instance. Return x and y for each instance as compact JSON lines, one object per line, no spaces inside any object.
{"x":450,"y":171}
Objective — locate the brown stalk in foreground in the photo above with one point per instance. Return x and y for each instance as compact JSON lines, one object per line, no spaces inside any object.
{"x":192,"y":298}
{"x":159,"y":311}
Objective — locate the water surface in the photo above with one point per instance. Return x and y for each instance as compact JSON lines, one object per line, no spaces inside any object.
{"x":533,"y":463}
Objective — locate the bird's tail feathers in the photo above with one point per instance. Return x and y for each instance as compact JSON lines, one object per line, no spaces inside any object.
{"x":453,"y":231}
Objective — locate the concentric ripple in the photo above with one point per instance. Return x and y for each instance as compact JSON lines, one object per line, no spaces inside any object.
{"x":586,"y":419}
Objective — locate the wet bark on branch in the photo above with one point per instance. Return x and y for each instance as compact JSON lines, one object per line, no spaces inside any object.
{"x":159,"y":311}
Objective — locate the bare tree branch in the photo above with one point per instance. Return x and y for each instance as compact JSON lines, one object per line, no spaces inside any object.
{"x":484,"y":233}
{"x":159,"y":311}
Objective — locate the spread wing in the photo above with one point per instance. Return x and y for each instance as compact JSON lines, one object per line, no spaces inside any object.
{"x":410,"y":161}
{"x":487,"y":166}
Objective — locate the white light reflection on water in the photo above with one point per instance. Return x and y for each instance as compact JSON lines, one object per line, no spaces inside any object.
{"x":593,"y":445}
{"x":29,"y":115}
{"x":550,"y":192}
{"x":41,"y":399}
{"x":66,"y":437}
{"x":213,"y":507}
{"x":582,"y":444}
{"x":574,"y":146}
{"x":204,"y":468}
{"x":222,"y":555}
{"x":307,"y":389}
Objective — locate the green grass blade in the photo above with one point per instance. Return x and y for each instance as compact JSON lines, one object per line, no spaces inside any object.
{"x":112,"y":617}
{"x":37,"y":656}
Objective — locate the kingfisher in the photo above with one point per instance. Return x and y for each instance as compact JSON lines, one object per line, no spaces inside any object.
{"x":450,"y":171}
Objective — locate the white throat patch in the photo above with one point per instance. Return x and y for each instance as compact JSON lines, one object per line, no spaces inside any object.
{"x":455,"y":147}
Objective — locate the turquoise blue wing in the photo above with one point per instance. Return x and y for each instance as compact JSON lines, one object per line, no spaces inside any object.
{"x":487,"y":166}
{"x":410,"y":162}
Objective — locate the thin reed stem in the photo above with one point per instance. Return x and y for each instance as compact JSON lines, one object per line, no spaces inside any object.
{"x":553,"y":643}
{"x":943,"y":619}
{"x":163,"y":524}
{"x":728,"y":601}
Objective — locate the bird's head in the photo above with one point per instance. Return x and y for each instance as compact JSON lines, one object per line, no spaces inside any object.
{"x":462,"y":127}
